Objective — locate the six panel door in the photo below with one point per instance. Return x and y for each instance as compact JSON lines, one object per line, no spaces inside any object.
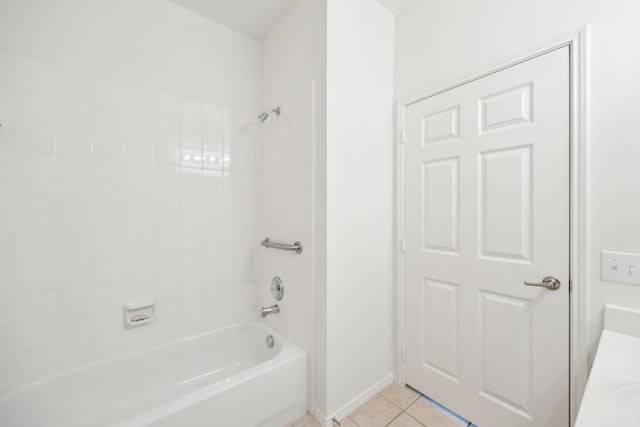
{"x":486,"y":203}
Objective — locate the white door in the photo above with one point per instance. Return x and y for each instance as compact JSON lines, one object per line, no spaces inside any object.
{"x":486,"y":202}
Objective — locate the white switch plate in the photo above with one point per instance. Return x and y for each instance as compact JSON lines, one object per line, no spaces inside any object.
{"x":620,"y":267}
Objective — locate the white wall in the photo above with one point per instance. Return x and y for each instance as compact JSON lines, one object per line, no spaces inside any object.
{"x":359,"y":166}
{"x":294,"y":69}
{"x":97,"y":204}
{"x":439,"y":43}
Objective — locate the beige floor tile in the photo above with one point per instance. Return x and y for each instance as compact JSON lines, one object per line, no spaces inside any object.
{"x":428,"y":413}
{"x":378,"y":411}
{"x":400,"y":395}
{"x":405,"y":420}
{"x":348,"y":422}
{"x":303,"y":421}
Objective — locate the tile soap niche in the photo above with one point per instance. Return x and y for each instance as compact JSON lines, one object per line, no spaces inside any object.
{"x":138,"y":314}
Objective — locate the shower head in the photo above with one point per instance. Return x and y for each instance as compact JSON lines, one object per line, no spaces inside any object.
{"x":264,"y":116}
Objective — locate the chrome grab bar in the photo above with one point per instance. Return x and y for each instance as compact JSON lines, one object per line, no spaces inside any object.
{"x":267,"y":243}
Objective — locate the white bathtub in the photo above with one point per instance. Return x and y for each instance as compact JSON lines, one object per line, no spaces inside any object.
{"x":227,"y":378}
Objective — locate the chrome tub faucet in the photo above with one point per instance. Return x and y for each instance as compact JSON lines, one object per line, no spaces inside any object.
{"x":265,"y":311}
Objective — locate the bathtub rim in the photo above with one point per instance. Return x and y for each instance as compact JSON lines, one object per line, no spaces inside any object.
{"x":288,"y":351}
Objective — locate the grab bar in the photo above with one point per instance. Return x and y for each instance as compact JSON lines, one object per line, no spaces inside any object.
{"x":267,"y":243}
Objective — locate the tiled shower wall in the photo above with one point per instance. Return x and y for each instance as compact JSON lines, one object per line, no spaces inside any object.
{"x":112,"y":193}
{"x":287,"y":176}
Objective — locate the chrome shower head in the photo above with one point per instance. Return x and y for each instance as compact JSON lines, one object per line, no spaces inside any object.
{"x":264,"y":116}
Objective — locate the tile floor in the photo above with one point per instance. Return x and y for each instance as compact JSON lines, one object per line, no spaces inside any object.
{"x":395,"y":406}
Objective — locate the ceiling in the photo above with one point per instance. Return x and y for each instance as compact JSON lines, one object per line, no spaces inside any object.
{"x":251,"y":17}
{"x":255,"y":17}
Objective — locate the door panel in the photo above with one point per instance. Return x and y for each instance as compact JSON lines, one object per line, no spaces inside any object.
{"x":486,"y":183}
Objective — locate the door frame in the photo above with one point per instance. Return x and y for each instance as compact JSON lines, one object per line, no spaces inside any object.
{"x":578,"y":346}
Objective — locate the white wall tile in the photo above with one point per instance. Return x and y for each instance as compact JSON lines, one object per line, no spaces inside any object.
{"x":139,"y":338}
{"x":108,"y":146}
{"x":6,"y":135}
{"x":7,"y":341}
{"x":36,"y":109}
{"x":140,"y":198}
{"x":35,"y":278}
{"x":167,"y":132}
{"x":73,"y":142}
{"x":140,"y":174}
{"x":32,"y":307}
{"x":74,"y":354}
{"x":34,"y":335}
{"x":39,"y":166}
{"x":167,"y":220}
{"x":7,"y":165}
{"x":191,"y":135}
{"x":167,"y":108}
{"x":7,"y":252}
{"x":7,"y":372}
{"x":139,"y":150}
{"x":7,"y":282}
{"x":108,"y":122}
{"x":139,"y":101}
{"x":36,"y":364}
{"x":35,"y":194}
{"x":213,"y":133}
{"x":7,"y":223}
{"x":167,"y":331}
{"x":36,"y":223}
{"x":139,"y":127}
{"x":166,"y":154}
{"x":168,"y":199}
{"x":72,"y":168}
{"x":72,"y":222}
{"x":35,"y":77}
{"x":73,"y":195}
{"x":34,"y":137}
{"x":75,"y":301}
{"x":110,"y":319}
{"x":107,"y":171}
{"x":75,"y":327}
{"x":36,"y":250}
{"x":75,"y":86}
{"x":109,"y":94}
{"x":138,"y":267}
{"x":7,"y":311}
{"x":167,"y":177}
{"x":73,"y":248}
{"x":75,"y":116}
{"x":109,"y":295}
{"x":107,"y":196}
{"x":97,"y":209}
{"x":73,"y":274}
{"x":140,"y":243}
{"x":109,"y":345}
{"x":6,"y":73}
{"x":109,"y":270}
{"x":7,"y":105}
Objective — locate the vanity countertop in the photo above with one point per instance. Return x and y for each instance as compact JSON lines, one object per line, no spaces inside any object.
{"x":612,"y":395}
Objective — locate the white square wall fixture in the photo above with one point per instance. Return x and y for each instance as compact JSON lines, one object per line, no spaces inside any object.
{"x":620,"y":267}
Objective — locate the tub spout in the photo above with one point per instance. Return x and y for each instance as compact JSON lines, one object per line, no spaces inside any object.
{"x":265,"y":311}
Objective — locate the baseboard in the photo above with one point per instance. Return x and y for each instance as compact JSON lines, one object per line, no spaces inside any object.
{"x":326,"y":420}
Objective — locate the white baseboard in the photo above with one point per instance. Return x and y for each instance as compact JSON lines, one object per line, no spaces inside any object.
{"x":326,"y":420}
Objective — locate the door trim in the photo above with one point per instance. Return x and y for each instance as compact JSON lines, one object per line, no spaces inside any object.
{"x":578,"y":346}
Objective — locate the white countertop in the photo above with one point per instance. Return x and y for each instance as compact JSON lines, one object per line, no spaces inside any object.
{"x":612,"y":395}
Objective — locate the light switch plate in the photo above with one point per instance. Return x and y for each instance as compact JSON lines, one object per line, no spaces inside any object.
{"x":620,"y":267}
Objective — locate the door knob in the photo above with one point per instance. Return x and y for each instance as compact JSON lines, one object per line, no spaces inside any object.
{"x":548,"y":282}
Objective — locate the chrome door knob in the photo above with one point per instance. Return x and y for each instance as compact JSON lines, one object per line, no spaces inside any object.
{"x":548,"y":282}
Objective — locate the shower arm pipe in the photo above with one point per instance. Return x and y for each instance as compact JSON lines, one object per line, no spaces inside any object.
{"x":267,"y":243}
